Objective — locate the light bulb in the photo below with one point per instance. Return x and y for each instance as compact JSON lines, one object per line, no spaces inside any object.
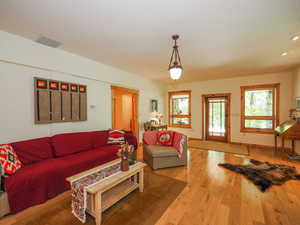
{"x":175,"y":73}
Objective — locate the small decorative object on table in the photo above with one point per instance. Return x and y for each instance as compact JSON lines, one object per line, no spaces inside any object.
{"x":124,"y":153}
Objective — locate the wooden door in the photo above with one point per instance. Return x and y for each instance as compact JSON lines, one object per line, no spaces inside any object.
{"x":217,"y":120}
{"x":125,"y":109}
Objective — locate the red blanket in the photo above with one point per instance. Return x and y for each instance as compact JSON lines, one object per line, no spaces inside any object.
{"x":178,"y":143}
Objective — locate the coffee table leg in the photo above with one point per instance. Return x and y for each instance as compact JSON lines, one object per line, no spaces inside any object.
{"x":98,"y":208}
{"x":141,"y":180}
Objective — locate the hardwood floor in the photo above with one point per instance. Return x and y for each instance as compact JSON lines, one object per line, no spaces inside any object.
{"x":216,"y":196}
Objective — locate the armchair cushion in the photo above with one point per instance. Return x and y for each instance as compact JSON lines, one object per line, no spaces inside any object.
{"x":160,"y":150}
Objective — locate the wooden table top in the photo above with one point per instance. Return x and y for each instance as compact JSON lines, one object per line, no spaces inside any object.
{"x":110,"y":181}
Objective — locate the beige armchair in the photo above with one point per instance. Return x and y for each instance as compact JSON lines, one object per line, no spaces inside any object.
{"x":160,"y":156}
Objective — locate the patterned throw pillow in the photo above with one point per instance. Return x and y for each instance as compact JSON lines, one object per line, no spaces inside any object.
{"x":116,"y":137}
{"x":9,"y":160}
{"x":165,"y":138}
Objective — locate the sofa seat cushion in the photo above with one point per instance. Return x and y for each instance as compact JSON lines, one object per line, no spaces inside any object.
{"x":69,"y":143}
{"x":36,"y":183}
{"x":33,"y":150}
{"x":160,"y":150}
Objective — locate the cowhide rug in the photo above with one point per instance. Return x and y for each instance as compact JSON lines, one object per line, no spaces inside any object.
{"x":264,"y":174}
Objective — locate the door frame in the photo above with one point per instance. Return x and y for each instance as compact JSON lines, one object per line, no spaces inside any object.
{"x":135,"y":93}
{"x":204,"y":120}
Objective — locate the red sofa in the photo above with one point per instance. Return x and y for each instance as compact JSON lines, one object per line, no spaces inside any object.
{"x":48,"y":161}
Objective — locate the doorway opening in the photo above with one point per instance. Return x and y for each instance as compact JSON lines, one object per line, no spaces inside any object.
{"x":216,"y":117}
{"x":125,"y":109}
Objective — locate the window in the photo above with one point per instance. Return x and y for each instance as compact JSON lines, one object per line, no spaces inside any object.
{"x":180,"y":109}
{"x":259,"y":108}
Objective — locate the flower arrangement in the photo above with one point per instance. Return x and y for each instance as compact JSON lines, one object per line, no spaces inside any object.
{"x":156,"y":116}
{"x":124,"y":152}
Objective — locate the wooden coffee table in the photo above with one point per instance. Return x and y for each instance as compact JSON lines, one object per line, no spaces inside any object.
{"x":105,"y":193}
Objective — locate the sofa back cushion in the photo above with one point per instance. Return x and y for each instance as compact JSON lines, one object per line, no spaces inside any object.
{"x":69,"y":143}
{"x":33,"y":150}
{"x":99,"y":138}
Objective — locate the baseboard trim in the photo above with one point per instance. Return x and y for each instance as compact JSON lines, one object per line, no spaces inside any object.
{"x":248,"y":145}
{"x":194,"y":139}
{"x":261,"y":146}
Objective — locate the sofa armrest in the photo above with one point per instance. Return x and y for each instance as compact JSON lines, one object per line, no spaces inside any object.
{"x":177,"y":143}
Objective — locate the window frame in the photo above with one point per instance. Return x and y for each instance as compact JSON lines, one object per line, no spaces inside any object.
{"x":275,"y":108}
{"x":171,"y":116}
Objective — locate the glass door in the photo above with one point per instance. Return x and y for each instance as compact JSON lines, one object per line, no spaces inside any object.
{"x":217,"y":118}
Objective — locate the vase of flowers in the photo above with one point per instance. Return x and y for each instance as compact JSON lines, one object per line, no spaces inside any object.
{"x":126,"y":153}
{"x":156,"y":117}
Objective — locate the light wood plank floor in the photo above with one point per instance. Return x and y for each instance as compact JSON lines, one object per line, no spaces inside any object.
{"x":215,"y":196}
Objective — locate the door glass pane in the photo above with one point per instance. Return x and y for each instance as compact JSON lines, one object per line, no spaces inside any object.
{"x":259,"y":103}
{"x":180,"y":104}
{"x":259,"y":124}
{"x":183,"y":121}
{"x":216,"y":117}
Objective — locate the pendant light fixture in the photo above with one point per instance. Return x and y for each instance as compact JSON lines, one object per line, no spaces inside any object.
{"x":175,"y":67}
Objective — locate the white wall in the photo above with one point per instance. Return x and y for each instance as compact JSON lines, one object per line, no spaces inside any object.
{"x":296,"y":89}
{"x":296,"y":93}
{"x":22,"y":59}
{"x":233,"y":86}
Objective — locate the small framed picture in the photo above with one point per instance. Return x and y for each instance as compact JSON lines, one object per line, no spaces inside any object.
{"x":64,"y":86}
{"x":154,"y":105}
{"x":41,"y":83}
{"x":74,"y":87}
{"x":53,"y":85}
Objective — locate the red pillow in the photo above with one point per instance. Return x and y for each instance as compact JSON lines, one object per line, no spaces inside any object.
{"x":9,"y":160}
{"x":165,"y":138}
{"x":116,"y":137}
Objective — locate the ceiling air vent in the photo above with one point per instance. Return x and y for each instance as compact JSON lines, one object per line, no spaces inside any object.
{"x":48,"y":42}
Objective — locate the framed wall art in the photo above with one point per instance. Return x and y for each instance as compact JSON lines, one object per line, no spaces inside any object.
{"x":154,"y":105}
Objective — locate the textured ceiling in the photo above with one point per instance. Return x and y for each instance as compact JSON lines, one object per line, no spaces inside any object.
{"x":219,"y":38}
